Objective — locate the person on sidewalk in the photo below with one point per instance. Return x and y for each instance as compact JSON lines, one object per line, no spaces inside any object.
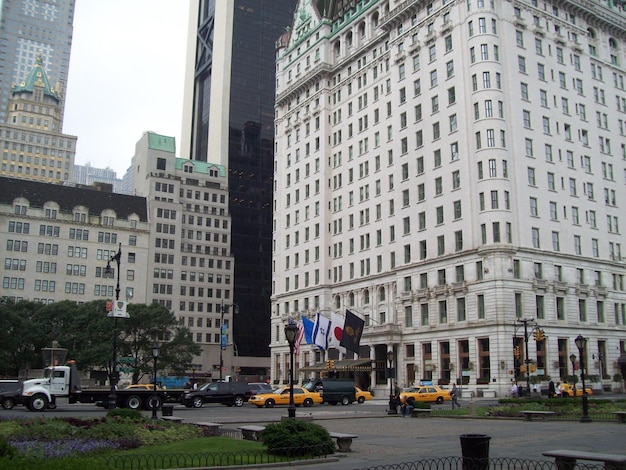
{"x":454,"y":395}
{"x":406,"y":408}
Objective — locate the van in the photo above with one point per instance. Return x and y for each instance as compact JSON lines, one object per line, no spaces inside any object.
{"x":333,"y":391}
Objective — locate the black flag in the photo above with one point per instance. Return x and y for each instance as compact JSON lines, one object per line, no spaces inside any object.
{"x":352,"y":331}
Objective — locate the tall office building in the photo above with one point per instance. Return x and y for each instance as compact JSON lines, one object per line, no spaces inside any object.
{"x":33,"y":147}
{"x":453,"y":173}
{"x":29,"y":27}
{"x":231,"y":64}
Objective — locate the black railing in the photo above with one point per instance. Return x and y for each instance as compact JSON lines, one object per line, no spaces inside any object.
{"x":460,"y":463}
{"x":207,"y":459}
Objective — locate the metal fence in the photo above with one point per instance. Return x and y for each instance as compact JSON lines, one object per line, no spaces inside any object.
{"x":460,"y":463}
{"x":208,"y":459}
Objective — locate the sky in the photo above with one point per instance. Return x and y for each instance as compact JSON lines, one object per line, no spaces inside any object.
{"x":127,"y":69}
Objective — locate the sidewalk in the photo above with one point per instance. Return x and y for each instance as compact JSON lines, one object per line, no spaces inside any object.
{"x":386,"y":439}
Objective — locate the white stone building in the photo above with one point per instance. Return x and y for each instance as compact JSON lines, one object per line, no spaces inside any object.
{"x":446,"y":169}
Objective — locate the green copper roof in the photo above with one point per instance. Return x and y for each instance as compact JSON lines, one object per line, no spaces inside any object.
{"x":200,"y":167}
{"x":161,"y":142}
{"x":37,"y":77}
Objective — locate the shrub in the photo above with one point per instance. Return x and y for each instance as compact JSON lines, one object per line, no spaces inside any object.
{"x":421,"y":405}
{"x":296,"y":438}
{"x":125,"y":413}
{"x":5,"y":449}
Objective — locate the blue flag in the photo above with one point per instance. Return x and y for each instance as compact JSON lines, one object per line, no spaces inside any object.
{"x":308,"y":330}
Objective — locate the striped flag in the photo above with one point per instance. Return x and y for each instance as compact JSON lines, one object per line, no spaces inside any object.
{"x":296,"y":346}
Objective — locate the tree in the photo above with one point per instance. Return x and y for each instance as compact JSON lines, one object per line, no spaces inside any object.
{"x":86,"y":332}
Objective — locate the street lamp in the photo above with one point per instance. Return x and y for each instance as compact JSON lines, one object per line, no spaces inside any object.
{"x":393,"y":404}
{"x":155,"y":398}
{"x":572,"y":359}
{"x":108,"y":272}
{"x":581,"y":344}
{"x":224,"y":333}
{"x":291,"y":332}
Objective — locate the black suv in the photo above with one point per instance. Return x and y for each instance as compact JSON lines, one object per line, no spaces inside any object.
{"x":226,"y":393}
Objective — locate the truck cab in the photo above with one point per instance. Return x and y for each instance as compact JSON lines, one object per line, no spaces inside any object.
{"x":39,"y":394}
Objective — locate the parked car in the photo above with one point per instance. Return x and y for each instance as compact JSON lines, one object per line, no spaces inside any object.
{"x":10,"y":393}
{"x":226,"y":393}
{"x":363,"y":395}
{"x":567,"y":390}
{"x":280,"y":396}
{"x":429,"y":393}
{"x":142,"y":387}
{"x":260,"y":387}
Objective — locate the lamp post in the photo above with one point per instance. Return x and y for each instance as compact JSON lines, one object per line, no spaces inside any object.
{"x":155,"y":398}
{"x":393,"y":404}
{"x":581,"y":344}
{"x":108,"y":272}
{"x":224,"y":333}
{"x":291,"y":331}
{"x":572,"y":359}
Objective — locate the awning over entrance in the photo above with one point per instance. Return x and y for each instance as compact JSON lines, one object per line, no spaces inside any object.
{"x":355,"y":365}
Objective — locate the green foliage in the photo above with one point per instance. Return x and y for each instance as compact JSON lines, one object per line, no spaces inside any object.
{"x":294,"y":437}
{"x":421,"y":405}
{"x":6,"y":451}
{"x":617,"y":377}
{"x":85,"y":330}
{"x":124,"y":413}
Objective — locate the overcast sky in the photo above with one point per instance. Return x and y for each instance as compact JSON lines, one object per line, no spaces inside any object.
{"x":126,"y":76}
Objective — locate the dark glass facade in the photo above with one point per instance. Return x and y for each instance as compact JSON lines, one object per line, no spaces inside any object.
{"x":257,"y":26}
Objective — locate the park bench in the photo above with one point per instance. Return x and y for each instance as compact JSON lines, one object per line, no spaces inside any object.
{"x":252,"y":432}
{"x":212,"y":428}
{"x":344,"y":441}
{"x":417,"y":412}
{"x":566,"y":459}
{"x":174,"y":419}
{"x":621,"y":416}
{"x":528,"y":414}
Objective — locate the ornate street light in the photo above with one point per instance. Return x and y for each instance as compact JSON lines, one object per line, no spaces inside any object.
{"x":155,"y":398}
{"x":291,"y":332}
{"x":108,"y":272}
{"x":581,"y":344}
{"x":393,"y":403}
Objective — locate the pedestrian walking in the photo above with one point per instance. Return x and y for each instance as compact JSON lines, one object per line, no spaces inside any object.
{"x":454,"y":396}
{"x":551,"y":389}
{"x":514,"y":390}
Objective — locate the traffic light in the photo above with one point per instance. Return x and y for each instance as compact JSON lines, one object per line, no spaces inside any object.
{"x":516,"y":352}
{"x":330,"y":364}
{"x":539,"y":334}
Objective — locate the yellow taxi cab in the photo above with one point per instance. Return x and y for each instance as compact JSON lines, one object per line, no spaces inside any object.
{"x":567,"y":390}
{"x":142,"y":387}
{"x":362,"y":395}
{"x":426,"y":393}
{"x":280,"y":396}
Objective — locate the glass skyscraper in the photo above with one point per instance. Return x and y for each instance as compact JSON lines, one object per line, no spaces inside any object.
{"x":232,"y":123}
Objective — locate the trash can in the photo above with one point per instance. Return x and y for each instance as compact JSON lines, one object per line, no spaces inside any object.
{"x":167,"y":410}
{"x":475,"y":450}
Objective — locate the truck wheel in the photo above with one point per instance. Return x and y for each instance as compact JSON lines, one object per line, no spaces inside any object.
{"x":345,"y":400}
{"x":133,"y":402}
{"x":154,"y":402}
{"x":197,"y":402}
{"x":269,"y":403}
{"x":238,"y":401}
{"x":38,"y":403}
{"x":308,"y":402}
{"x":8,"y":403}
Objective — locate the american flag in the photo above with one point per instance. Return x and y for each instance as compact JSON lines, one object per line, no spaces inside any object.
{"x":296,"y":348}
